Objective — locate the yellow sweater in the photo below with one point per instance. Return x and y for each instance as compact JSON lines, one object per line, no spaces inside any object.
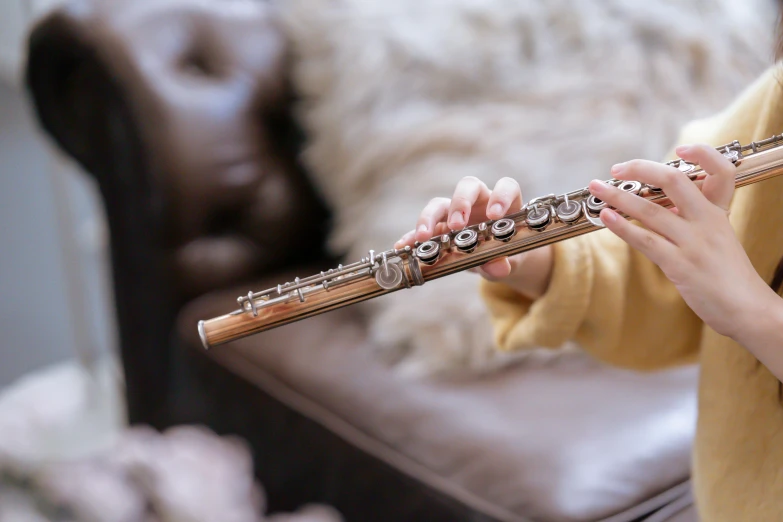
{"x":621,"y":308}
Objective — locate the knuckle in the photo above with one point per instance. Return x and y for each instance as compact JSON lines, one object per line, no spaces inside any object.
{"x":672,"y":177}
{"x":470,"y":180}
{"x":728,"y":171}
{"x":502,"y":196}
{"x":702,"y":148}
{"x":634,"y":165}
{"x":651,"y":210}
{"x":648,"y":240}
{"x":671,"y":269}
{"x":461,"y":201}
{"x":435,"y":205}
{"x":692,"y":258}
{"x":726,"y":168}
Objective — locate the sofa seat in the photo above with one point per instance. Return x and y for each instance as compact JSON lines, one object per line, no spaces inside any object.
{"x":569,"y":439}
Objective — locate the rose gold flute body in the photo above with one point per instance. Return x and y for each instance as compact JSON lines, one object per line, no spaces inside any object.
{"x":542,"y":221}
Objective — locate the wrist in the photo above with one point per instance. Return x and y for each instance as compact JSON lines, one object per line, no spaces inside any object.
{"x":762,"y":312}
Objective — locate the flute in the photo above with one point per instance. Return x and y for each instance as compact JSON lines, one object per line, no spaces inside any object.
{"x":541,"y":221}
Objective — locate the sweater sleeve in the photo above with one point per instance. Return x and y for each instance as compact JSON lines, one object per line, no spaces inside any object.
{"x":608,"y":297}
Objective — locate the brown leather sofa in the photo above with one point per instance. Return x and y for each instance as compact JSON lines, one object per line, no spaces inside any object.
{"x":180,"y":110}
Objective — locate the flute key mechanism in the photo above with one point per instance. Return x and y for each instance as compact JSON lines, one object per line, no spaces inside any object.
{"x":569,"y":211}
{"x":466,"y":240}
{"x":632,"y":187}
{"x":429,"y":251}
{"x":542,"y":221}
{"x":503,"y":229}
{"x":595,"y":205}
{"x":389,"y":275}
{"x":538,"y":218}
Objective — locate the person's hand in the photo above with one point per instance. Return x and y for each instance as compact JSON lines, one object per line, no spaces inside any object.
{"x":472,"y":203}
{"x":694,"y":244}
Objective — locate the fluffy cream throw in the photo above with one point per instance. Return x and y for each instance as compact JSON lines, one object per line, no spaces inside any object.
{"x":401,"y":99}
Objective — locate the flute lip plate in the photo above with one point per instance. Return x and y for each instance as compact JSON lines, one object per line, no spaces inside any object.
{"x":203,"y":335}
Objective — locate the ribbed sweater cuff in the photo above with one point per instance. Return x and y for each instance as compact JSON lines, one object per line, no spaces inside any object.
{"x":556,"y":316}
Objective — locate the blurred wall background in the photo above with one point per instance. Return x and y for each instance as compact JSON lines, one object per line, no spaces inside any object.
{"x":54,"y":291}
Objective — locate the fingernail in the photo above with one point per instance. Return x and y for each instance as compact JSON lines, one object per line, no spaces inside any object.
{"x":609,"y":216}
{"x":422,"y":228}
{"x":596,"y":186}
{"x":618,"y":168}
{"x":496,"y":209}
{"x":456,"y":218}
{"x":682,"y":149}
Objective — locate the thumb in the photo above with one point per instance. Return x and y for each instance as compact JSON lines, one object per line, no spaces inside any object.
{"x":496,"y":269}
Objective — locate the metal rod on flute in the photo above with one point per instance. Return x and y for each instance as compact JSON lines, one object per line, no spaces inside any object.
{"x":542,"y":221}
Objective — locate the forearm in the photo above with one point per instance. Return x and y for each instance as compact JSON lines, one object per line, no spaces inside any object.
{"x":763,"y":333}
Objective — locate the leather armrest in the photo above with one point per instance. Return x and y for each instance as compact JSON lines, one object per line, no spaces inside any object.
{"x":195,"y":94}
{"x":180,"y":110}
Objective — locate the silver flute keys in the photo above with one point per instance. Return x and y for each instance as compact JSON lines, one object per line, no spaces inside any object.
{"x":389,"y":268}
{"x":386,"y":268}
{"x":542,"y":220}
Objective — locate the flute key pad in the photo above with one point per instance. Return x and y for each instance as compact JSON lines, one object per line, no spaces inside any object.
{"x":389,"y":276}
{"x":466,"y":240}
{"x":569,"y":211}
{"x":538,"y":218}
{"x":428,"y":252}
{"x":632,"y":187}
{"x":595,"y":205}
{"x":503,"y":229}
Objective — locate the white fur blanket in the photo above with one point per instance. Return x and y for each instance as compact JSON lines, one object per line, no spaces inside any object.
{"x":401,"y":99}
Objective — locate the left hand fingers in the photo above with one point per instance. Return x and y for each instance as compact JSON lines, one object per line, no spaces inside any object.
{"x":719,"y":185}
{"x":685,"y":195}
{"x":651,"y":215}
{"x":656,"y":248}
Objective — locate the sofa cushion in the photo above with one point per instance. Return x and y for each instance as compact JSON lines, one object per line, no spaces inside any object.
{"x":567,"y":439}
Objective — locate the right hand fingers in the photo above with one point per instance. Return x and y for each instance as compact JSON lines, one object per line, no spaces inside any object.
{"x":409,"y":238}
{"x":435,"y":212}
{"x":470,"y":195}
{"x":505,"y":197}
{"x":470,"y":192}
{"x":406,"y":240}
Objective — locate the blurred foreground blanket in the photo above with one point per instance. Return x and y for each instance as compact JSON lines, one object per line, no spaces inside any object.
{"x":65,"y":456}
